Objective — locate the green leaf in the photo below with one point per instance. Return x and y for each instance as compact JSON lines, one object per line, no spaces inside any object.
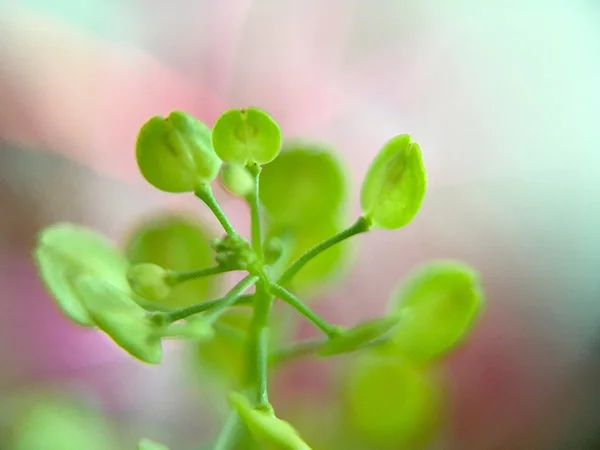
{"x":237,"y":180}
{"x":149,"y":281}
{"x":304,"y":184}
{"x":359,"y":336}
{"x":52,"y":422}
{"x":266,"y":428}
{"x":395,"y":184}
{"x":390,"y":403}
{"x":175,"y":243}
{"x":439,"y":303}
{"x":119,"y":316}
{"x":148,"y":444}
{"x":175,"y":154}
{"x":63,"y":252}
{"x":246,"y":136}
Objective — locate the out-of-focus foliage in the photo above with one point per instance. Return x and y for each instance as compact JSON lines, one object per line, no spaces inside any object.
{"x":176,"y":243}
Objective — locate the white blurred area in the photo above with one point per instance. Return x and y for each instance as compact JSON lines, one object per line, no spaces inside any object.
{"x":503,"y":96}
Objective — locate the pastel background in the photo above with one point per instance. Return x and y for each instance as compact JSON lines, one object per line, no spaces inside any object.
{"x":503,"y":96}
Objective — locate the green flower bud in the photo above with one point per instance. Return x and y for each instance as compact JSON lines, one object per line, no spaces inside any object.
{"x":65,"y":251}
{"x":120,"y":317}
{"x":266,"y":428}
{"x":237,"y":180}
{"x":395,"y":184}
{"x":359,"y":336}
{"x":149,"y":280}
{"x":175,"y":153}
{"x":234,"y":252}
{"x":439,"y":304}
{"x":245,"y":136}
{"x":148,"y":444}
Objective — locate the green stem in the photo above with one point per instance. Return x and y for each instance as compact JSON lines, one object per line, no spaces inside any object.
{"x":254,"y":200}
{"x":309,"y":347}
{"x":179,"y":277}
{"x":206,"y":195}
{"x":262,"y":361}
{"x":295,"y":351}
{"x":231,"y":297}
{"x":285,"y":295}
{"x":228,"y":433}
{"x":258,"y":343}
{"x":215,"y":306}
{"x":360,"y":226}
{"x":152,"y":306}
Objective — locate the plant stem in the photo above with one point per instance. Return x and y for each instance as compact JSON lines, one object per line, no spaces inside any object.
{"x":295,"y":351}
{"x":254,"y":201}
{"x":228,"y":433}
{"x":309,"y":347}
{"x":179,"y":277}
{"x":152,"y":306}
{"x":216,"y":306}
{"x":262,"y":362}
{"x":231,"y":297}
{"x":258,"y":342}
{"x":360,"y":226}
{"x":206,"y":195}
{"x":295,"y":302}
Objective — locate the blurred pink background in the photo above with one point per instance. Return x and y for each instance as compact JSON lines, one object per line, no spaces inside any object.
{"x":503,"y":96}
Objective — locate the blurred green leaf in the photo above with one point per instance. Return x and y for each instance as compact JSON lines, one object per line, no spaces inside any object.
{"x":395,"y":184}
{"x":244,"y":136}
{"x":224,"y":356}
{"x":390,"y":404}
{"x":148,"y":444}
{"x":65,"y":251}
{"x":439,"y":303}
{"x":54,"y":423}
{"x":304,"y":184}
{"x":304,"y":191}
{"x":175,"y":243}
{"x":119,"y":316}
